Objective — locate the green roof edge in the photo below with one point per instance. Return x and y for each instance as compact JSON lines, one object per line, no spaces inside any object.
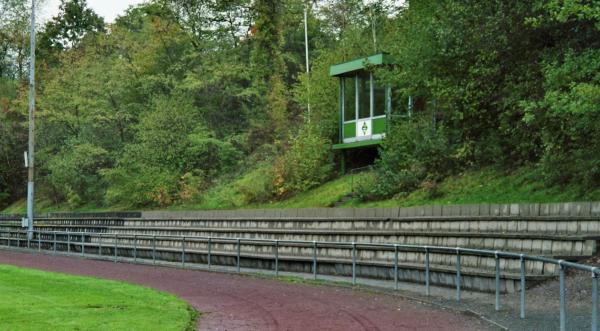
{"x":360,"y":64}
{"x":358,"y":144}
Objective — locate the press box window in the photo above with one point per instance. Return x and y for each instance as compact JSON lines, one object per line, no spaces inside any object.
{"x":349,"y":85}
{"x":364,"y":96}
{"x":379,"y":99}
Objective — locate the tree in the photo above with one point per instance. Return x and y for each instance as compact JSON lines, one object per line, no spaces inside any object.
{"x":74,"y":21}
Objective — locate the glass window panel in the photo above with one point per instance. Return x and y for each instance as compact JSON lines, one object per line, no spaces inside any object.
{"x":379,"y":94}
{"x":349,"y":98}
{"x":364,"y":96}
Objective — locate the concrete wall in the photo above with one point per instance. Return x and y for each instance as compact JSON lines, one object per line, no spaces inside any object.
{"x":559,"y":229}
{"x":580,"y":209}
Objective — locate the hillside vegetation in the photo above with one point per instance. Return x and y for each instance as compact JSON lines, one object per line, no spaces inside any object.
{"x":482,"y":186}
{"x":203,"y":104}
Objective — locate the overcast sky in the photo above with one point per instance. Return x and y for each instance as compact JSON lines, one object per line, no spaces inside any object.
{"x":109,"y":9}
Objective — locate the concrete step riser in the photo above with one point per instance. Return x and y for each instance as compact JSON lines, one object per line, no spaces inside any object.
{"x":567,"y":226}
{"x":468,"y":261}
{"x":529,"y":246}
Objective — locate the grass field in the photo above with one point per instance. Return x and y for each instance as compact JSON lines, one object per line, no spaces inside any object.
{"x":36,"y":300}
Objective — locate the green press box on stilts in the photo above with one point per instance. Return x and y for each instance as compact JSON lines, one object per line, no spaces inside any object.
{"x":365,"y":104}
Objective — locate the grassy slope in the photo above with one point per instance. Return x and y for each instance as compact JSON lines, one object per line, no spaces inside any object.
{"x":36,"y":300}
{"x":491,"y":186}
{"x":482,"y":186}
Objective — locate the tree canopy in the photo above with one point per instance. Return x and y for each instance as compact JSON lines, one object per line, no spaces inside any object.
{"x":177,"y":96}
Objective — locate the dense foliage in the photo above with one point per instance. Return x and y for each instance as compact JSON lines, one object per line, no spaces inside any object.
{"x":177,"y":96}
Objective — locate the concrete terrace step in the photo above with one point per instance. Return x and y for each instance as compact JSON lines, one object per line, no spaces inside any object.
{"x":538,"y":244}
{"x":550,"y":225}
{"x":333,"y":252}
{"x":355,"y":231}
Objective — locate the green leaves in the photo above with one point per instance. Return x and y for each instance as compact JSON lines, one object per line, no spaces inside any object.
{"x":575,"y":10}
{"x":76,"y":173}
{"x":177,"y":96}
{"x":412,"y":153}
{"x":306,"y":164}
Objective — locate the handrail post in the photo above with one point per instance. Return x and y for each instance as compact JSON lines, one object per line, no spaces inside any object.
{"x":153,"y":249}
{"x":594,"y":299}
{"x":183,"y":252}
{"x":458,"y":276}
{"x":238,"y":254}
{"x":39,"y":241}
{"x":276,"y":258}
{"x":82,"y":244}
{"x":522,"y":260}
{"x":353,"y":263}
{"x":54,"y":242}
{"x":209,"y":257}
{"x":100,"y":238}
{"x":427,"y":277}
{"x":135,"y":248}
{"x":497,"y":260}
{"x":68,"y":242}
{"x":116,"y":239}
{"x":563,"y":309}
{"x":314,"y":259}
{"x":396,"y":266}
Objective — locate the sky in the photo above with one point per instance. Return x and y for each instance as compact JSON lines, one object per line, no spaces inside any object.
{"x":109,"y":9}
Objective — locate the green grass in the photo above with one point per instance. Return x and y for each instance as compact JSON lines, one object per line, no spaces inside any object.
{"x":488,"y":185}
{"x":229,"y":195}
{"x":325,"y":195}
{"x":46,"y":206}
{"x":37,"y":300}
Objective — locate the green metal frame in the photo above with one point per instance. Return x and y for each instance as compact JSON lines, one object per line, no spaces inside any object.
{"x":357,"y":144}
{"x":350,"y":67}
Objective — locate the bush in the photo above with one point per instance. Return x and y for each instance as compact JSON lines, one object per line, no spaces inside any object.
{"x":569,"y":115}
{"x":75,"y":173}
{"x":257,"y":185}
{"x":412,"y":155}
{"x":212,"y":155}
{"x":307,"y":163}
{"x":141,"y":187}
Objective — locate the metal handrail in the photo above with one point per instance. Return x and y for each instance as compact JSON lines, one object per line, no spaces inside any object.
{"x":21,"y":236}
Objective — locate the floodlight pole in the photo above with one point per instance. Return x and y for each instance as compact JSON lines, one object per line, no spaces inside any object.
{"x":30,"y":164}
{"x":306,"y":53}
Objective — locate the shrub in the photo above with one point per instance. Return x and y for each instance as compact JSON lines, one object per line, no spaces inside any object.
{"x":75,"y":173}
{"x":569,"y":115}
{"x":212,"y":155}
{"x":141,"y":186}
{"x":257,"y":185}
{"x":307,"y":163}
{"x":412,"y":155}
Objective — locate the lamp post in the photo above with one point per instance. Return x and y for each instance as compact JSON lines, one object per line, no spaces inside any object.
{"x":306,"y":53}
{"x":30,"y":158}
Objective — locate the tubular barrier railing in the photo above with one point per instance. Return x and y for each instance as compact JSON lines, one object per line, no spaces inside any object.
{"x":51,"y":239}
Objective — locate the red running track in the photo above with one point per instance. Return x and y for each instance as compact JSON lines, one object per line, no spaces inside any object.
{"x":232,"y":302}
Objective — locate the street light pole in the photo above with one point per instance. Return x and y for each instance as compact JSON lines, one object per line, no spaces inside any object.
{"x":30,"y":170}
{"x":306,"y":53}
